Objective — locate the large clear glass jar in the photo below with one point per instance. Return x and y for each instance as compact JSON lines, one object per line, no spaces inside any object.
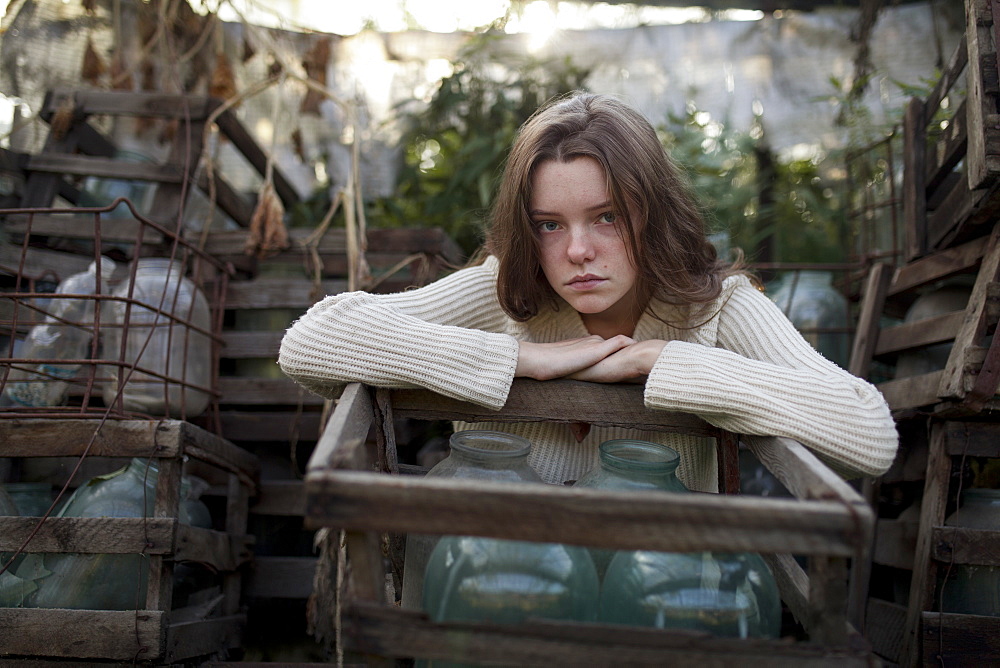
{"x":166,"y":345}
{"x":470,"y":578}
{"x":818,"y":310}
{"x":110,"y":581}
{"x":972,"y":589}
{"x":629,"y":464}
{"x":475,"y":454}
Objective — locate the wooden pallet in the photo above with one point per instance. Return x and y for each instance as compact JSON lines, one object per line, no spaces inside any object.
{"x":158,"y":633}
{"x":826,"y":520}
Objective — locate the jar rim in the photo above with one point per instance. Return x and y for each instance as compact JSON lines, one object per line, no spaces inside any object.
{"x":490,"y":443}
{"x":635,"y":454}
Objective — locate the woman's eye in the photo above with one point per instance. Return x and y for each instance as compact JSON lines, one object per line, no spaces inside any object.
{"x":548,"y":226}
{"x":608,"y":217}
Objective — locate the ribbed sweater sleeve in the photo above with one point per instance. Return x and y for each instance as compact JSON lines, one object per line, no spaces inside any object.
{"x":763,"y":378}
{"x":446,"y":337}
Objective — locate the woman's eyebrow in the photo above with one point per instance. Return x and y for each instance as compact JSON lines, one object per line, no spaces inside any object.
{"x":539,"y":212}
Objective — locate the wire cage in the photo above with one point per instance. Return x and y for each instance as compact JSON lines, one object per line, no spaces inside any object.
{"x":107,"y":315}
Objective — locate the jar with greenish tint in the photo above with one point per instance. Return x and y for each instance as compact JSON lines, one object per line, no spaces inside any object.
{"x":818,"y":310}
{"x":630,"y":464}
{"x":33,"y":499}
{"x":969,"y":588}
{"x":471,"y":578}
{"x":478,"y":455}
{"x":111,"y":581}
{"x":724,"y":594}
{"x":165,"y":336}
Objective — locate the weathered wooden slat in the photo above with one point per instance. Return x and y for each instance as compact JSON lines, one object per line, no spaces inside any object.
{"x":115,"y":635}
{"x":936,"y":329}
{"x":230,"y":126}
{"x":981,"y":81}
{"x":914,"y":197}
{"x":124,"y":103}
{"x":68,"y":438}
{"x":895,"y":542}
{"x":281,"y":577}
{"x":867,"y":334}
{"x":960,"y":640}
{"x":972,"y":439}
{"x":218,"y":549}
{"x":265,"y":391}
{"x":940,"y":265}
{"x":250,"y":345}
{"x":884,"y":628}
{"x":264,"y":293}
{"x":912,"y":392}
{"x":84,"y":165}
{"x":948,"y":151}
{"x":792,"y":581}
{"x":395,"y":632}
{"x":82,"y":226}
{"x":280,"y":497}
{"x":94,"y":535}
{"x":951,"y":74}
{"x":959,"y":545}
{"x":555,"y":401}
{"x":342,"y":444}
{"x":257,"y":426}
{"x":662,"y":521}
{"x":204,"y":637}
{"x":39,"y":263}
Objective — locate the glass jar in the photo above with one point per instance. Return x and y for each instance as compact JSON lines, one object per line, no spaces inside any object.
{"x":470,"y":578}
{"x":630,"y":464}
{"x":475,"y":454}
{"x":725,"y":594}
{"x":818,"y":310}
{"x":33,"y":499}
{"x":159,"y":344}
{"x":110,"y":581}
{"x":973,"y":589}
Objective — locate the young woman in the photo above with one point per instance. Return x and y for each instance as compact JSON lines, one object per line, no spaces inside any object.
{"x":597,"y":268}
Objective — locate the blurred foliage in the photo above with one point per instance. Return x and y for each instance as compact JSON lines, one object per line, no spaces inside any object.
{"x":758,"y":198}
{"x":454,"y":146}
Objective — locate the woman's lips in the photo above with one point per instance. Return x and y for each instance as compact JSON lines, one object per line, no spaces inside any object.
{"x":585,"y":282}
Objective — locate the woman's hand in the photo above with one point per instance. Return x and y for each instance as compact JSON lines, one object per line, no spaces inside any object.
{"x":545,"y":361}
{"x":632,"y":363}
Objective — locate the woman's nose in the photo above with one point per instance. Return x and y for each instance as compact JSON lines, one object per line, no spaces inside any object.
{"x":581,"y":247}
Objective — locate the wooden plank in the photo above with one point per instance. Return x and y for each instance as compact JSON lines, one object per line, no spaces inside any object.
{"x":939,"y":265}
{"x":867,"y":331}
{"x":109,"y":168}
{"x":662,"y":521}
{"x":951,"y":74}
{"x":894,"y":543}
{"x":960,"y":640}
{"x":281,"y":577}
{"x":216,"y":450}
{"x":948,"y":151}
{"x":205,"y":637}
{"x":115,"y":635}
{"x":884,"y":628}
{"x":91,"y":535}
{"x":394,"y":632}
{"x":932,"y":511}
{"x":81,"y":226}
{"x":910,"y":335}
{"x":265,"y":293}
{"x":793,"y":583}
{"x":68,"y":438}
{"x":981,"y":60}
{"x":342,"y":442}
{"x":956,"y":206}
{"x":972,"y":439}
{"x":231,"y":127}
{"x":127,"y":103}
{"x":974,"y":325}
{"x":235,"y":205}
{"x":912,"y":392}
{"x":39,"y":263}
{"x":280,"y":497}
{"x":221,"y":550}
{"x":959,"y":545}
{"x":257,"y":426}
{"x":250,"y":345}
{"x":914,"y":198}
{"x":565,"y":401}
{"x":265,"y":392}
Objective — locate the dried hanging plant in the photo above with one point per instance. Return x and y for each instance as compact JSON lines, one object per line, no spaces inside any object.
{"x":267,"y":225}
{"x":315,"y":63}
{"x":94,"y":66}
{"x":62,"y":120}
{"x":223,"y":82}
{"x":121,"y":77}
{"x":90,"y":6}
{"x":298,"y":145}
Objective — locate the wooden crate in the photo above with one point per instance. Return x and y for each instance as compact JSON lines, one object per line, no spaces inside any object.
{"x":826,"y":520}
{"x":158,"y":633}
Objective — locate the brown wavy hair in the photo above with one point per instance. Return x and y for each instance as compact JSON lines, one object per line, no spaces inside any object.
{"x":665,"y":234}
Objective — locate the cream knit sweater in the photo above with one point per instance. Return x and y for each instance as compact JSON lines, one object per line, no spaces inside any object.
{"x":746,"y":370}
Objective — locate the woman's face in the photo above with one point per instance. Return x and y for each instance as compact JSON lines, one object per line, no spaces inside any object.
{"x":581,"y":248}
